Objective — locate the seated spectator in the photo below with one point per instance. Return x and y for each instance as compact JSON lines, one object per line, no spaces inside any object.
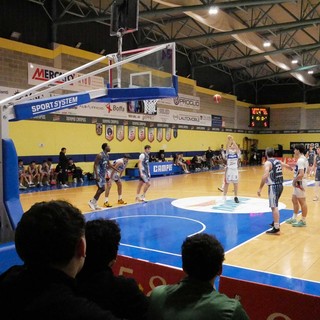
{"x":208,"y":156}
{"x":97,"y":282}
{"x":58,"y":174}
{"x":44,"y":171}
{"x":179,"y":161}
{"x":33,"y":171}
{"x":196,"y":164}
{"x":195,"y":297}
{"x":153,"y":158}
{"x":162,"y":157}
{"x":74,"y":171}
{"x":53,"y":174}
{"x":50,"y":240}
{"x":24,"y":177}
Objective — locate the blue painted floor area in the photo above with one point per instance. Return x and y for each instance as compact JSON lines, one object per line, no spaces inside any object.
{"x":154,"y":231}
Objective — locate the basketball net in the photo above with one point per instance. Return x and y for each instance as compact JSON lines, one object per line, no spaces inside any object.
{"x":150,"y":106}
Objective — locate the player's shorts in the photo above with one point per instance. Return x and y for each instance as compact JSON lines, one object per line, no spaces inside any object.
{"x":317,"y":175}
{"x":274,"y":192}
{"x":101,"y":183}
{"x":232,"y":175}
{"x":144,"y":177}
{"x":298,"y":192}
{"x":114,"y":178}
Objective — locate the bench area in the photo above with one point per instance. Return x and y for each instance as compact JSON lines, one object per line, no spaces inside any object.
{"x":85,"y":162}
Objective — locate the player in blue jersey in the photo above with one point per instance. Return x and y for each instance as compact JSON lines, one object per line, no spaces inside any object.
{"x":101,"y":165}
{"x":316,"y":170}
{"x":273,"y":177}
{"x":144,"y":170}
{"x":310,"y":155}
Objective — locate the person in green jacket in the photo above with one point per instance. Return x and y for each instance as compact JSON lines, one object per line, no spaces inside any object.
{"x":195,"y":297}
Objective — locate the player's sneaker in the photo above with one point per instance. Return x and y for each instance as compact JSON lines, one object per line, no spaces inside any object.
{"x":273,"y":231}
{"x":144,"y":199}
{"x":107,"y":205}
{"x":121,"y":201}
{"x":291,"y":220}
{"x":271,"y":224}
{"x":220,"y":189}
{"x":22,"y":187}
{"x":299,"y":224}
{"x":64,"y":186}
{"x":140,"y":200}
{"x":236,"y":200}
{"x":316,"y":198}
{"x":92,"y":205}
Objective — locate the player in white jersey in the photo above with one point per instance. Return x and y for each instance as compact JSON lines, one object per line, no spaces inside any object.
{"x":299,"y":184}
{"x":232,"y":173}
{"x":114,"y":174}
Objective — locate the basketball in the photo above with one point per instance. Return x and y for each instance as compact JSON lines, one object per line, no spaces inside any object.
{"x":217,"y":98}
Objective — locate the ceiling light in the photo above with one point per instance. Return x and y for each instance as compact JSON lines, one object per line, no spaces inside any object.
{"x":310,"y":72}
{"x":213,"y":10}
{"x":267,"y":44}
{"x":294,"y":61}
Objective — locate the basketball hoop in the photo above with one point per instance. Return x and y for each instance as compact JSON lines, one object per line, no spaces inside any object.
{"x":150,"y":106}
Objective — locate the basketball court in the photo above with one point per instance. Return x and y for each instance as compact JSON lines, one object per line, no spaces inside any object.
{"x":182,"y":205}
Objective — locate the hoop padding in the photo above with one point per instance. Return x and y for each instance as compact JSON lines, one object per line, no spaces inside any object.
{"x":11,"y":197}
{"x":150,"y":106}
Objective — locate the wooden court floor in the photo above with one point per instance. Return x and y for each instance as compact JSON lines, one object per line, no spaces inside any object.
{"x":294,"y":253}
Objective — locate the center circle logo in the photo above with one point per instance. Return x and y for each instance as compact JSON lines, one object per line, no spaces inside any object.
{"x":215,"y":204}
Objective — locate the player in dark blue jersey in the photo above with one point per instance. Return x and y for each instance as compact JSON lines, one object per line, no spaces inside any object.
{"x":144,"y":170}
{"x":316,"y":170}
{"x":310,"y":155}
{"x":101,"y":165}
{"x":273,"y":177}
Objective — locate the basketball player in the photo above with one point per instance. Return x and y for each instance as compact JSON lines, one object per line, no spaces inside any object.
{"x":33,"y":171}
{"x":299,"y":184}
{"x":24,"y":176}
{"x":115,"y":175}
{"x":231,"y":174}
{"x":44,"y":171}
{"x":273,"y":177}
{"x":101,"y":164}
{"x":310,"y":155}
{"x":144,"y":170}
{"x":316,"y":170}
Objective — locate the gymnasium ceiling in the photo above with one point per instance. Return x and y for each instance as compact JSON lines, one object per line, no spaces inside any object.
{"x":230,"y":41}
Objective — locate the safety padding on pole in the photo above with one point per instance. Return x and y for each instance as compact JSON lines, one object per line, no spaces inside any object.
{"x":11,"y":197}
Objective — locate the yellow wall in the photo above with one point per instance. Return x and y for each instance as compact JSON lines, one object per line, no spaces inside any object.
{"x":271,"y":140}
{"x":47,"y":138}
